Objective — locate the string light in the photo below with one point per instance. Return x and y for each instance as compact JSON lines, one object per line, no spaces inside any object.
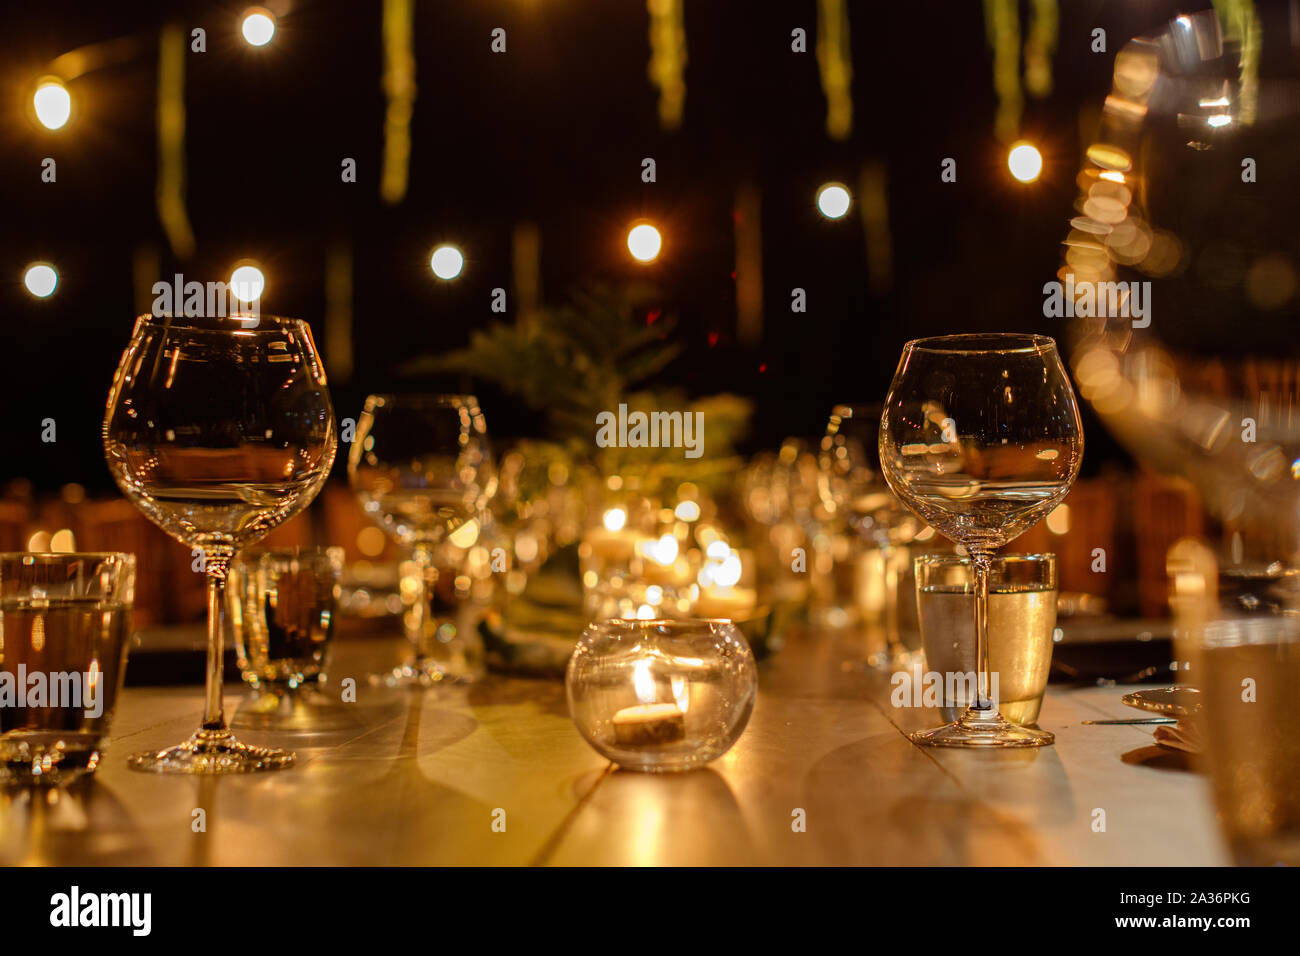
{"x":644,"y":242}
{"x":258,"y":26}
{"x":1025,"y":162}
{"x":833,"y":201}
{"x":52,"y":102}
{"x":447,"y":262}
{"x":41,"y":279}
{"x":247,"y":283}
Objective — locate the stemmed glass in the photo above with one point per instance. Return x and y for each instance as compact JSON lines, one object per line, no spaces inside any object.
{"x":981,"y":437}
{"x":850,"y":482}
{"x":218,"y":430}
{"x":421,"y":467}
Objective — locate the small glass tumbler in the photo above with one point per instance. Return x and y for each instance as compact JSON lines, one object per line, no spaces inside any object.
{"x":1250,"y":704}
{"x":1021,"y":619}
{"x":65,"y":620}
{"x":661,"y":695}
{"x":282,"y":604}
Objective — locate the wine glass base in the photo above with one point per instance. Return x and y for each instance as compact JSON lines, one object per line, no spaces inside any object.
{"x":419,"y":674}
{"x":212,"y":752}
{"x":983,"y":729}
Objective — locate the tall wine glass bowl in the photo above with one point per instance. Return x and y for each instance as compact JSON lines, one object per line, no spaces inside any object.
{"x":218,"y":430}
{"x":422,"y":469}
{"x":981,"y":437}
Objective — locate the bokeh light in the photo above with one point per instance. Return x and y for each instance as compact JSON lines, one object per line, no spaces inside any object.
{"x":52,"y":102}
{"x":644,"y":242}
{"x":833,"y":201}
{"x":447,"y":261}
{"x":1025,"y":162}
{"x":258,"y":26}
{"x":41,"y":279}
{"x":247,"y":283}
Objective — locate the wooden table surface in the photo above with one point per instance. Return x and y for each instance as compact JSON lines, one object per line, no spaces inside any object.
{"x":411,"y":777}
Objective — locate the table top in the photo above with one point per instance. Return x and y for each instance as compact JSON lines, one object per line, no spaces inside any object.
{"x":496,"y":773}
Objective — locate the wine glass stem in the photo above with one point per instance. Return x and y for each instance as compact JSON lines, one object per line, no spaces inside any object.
{"x":889,"y":557}
{"x":214,"y":717}
{"x":423,"y":621}
{"x":982,"y":561}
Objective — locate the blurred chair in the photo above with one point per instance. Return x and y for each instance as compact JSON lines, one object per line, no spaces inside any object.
{"x":343,"y":523}
{"x":167,"y":589}
{"x":1088,"y":520}
{"x":15,"y":517}
{"x":1165,"y":510}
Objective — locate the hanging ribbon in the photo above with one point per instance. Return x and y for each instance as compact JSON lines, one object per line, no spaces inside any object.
{"x":399,"y":87}
{"x":668,"y":59}
{"x":1040,"y":44}
{"x":1002,"y":21}
{"x":836,"y":64}
{"x":170,"y":192}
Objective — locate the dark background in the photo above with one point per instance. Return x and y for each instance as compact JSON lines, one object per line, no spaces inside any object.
{"x":553,"y":132}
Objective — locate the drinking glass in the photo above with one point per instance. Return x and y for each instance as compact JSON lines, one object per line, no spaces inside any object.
{"x":421,"y":468}
{"x":1250,"y":693}
{"x":1022,"y":617}
{"x":283,"y":605}
{"x":66,"y":618}
{"x":851,"y":483}
{"x":981,"y":437}
{"x":218,"y":430}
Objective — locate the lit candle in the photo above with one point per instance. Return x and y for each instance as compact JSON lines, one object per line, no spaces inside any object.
{"x":644,"y":725}
{"x":649,"y":724}
{"x":728,"y":603}
{"x":720,"y":597}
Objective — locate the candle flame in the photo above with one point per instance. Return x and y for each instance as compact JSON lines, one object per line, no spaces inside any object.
{"x":681,"y":693}
{"x":662,"y":551}
{"x":643,"y":682}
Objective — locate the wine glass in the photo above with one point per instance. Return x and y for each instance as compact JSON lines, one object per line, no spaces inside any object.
{"x":421,"y":467}
{"x":981,"y":437}
{"x":851,"y":484}
{"x":218,"y":430}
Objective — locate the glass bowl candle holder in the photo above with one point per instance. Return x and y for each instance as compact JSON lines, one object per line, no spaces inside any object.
{"x":661,"y":695}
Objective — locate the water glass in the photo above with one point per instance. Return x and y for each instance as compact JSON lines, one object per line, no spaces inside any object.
{"x":1021,"y":619}
{"x":282,"y":604}
{"x":1250,"y":692}
{"x":65,"y":620}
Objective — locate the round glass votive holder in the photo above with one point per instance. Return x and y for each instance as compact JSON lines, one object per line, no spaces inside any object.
{"x":662,"y":695}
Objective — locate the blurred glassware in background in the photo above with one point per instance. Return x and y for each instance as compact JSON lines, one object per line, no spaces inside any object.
{"x":1192,"y":188}
{"x":1250,"y":694}
{"x":282,"y":605}
{"x":851,"y":486}
{"x":795,"y":553}
{"x":612,"y":557}
{"x":66,"y":617}
{"x":422,"y":470}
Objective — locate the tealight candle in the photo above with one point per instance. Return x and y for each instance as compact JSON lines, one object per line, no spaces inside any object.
{"x":646,"y":725}
{"x":726,"y":603}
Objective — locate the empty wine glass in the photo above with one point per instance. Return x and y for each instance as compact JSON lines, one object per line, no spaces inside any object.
{"x":850,"y":483}
{"x":981,"y":437}
{"x":421,"y":468}
{"x":218,"y":430}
